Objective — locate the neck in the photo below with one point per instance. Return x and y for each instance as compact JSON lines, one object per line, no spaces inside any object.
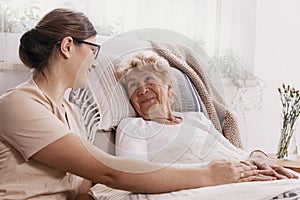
{"x":161,"y":113}
{"x":52,"y":87}
{"x":167,"y":120}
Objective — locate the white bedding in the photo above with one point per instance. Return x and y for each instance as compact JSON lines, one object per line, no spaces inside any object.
{"x":236,"y":191}
{"x":212,"y":148}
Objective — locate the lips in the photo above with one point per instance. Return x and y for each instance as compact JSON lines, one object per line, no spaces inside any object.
{"x":145,"y":100}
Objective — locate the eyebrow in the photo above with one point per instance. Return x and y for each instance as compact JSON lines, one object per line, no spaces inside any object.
{"x":132,"y":79}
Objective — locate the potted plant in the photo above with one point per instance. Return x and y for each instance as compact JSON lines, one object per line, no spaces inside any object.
{"x":15,"y":18}
{"x":18,"y":16}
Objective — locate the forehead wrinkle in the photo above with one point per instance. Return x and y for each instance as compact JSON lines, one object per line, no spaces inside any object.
{"x":132,"y":75}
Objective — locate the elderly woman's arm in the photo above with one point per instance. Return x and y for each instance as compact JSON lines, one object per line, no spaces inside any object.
{"x":70,"y":154}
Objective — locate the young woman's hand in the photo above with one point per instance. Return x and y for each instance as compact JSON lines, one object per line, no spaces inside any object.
{"x":222,"y":172}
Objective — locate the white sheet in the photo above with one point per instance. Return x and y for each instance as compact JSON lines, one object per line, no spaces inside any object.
{"x":235,"y":191}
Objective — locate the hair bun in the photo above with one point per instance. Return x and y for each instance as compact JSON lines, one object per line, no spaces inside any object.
{"x":31,"y":49}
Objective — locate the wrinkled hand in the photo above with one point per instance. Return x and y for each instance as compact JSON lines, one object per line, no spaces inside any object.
{"x":261,"y":174}
{"x":274,"y":170}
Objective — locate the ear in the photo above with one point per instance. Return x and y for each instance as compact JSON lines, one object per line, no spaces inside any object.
{"x":65,"y":46}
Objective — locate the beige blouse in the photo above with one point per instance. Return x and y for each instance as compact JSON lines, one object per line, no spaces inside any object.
{"x":29,"y":121}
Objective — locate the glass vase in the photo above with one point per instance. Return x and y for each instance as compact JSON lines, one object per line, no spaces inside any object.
{"x":284,"y":141}
{"x":293,"y":149}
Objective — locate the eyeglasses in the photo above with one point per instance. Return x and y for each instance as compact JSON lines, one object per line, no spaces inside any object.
{"x":95,"y":50}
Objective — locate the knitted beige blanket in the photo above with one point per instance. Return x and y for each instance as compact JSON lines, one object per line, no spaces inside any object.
{"x":189,"y":63}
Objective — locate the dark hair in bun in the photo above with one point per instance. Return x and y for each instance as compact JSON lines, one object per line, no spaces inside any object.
{"x":38,"y":44}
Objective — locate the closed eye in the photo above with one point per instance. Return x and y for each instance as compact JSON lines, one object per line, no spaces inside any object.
{"x":132,"y":85}
{"x":149,"y":79}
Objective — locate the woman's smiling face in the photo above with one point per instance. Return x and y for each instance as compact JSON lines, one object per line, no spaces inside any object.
{"x":145,"y":90}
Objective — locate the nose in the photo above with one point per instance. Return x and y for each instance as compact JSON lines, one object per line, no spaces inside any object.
{"x":143,"y":90}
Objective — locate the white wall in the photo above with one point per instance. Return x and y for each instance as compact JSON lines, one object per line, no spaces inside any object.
{"x":277,"y":58}
{"x":9,"y":79}
{"x":9,"y":59}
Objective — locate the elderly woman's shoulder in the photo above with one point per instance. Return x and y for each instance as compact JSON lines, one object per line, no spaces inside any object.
{"x":135,"y":124}
{"x":193,"y":114}
{"x":133,"y":121}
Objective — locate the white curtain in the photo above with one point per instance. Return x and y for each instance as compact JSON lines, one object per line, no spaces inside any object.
{"x":237,"y":30}
{"x":217,"y":25}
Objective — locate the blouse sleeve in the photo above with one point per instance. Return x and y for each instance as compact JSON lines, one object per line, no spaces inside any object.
{"x":128,"y":142}
{"x":28,"y":125}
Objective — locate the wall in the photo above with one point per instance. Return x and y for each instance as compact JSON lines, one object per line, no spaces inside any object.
{"x":276,"y":62}
{"x":9,"y":43}
{"x":9,"y":78}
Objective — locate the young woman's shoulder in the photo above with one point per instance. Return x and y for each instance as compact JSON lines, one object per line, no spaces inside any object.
{"x":22,"y":100}
{"x":21,"y":95}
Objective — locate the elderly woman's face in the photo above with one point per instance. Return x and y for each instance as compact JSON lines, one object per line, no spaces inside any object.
{"x":145,"y":90}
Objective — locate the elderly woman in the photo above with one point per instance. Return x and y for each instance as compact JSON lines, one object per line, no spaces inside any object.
{"x":161,"y":135}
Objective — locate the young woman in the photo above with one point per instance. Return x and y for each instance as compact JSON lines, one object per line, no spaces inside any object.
{"x":41,"y":156}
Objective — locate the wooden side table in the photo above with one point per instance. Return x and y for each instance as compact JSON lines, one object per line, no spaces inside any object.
{"x":290,"y":164}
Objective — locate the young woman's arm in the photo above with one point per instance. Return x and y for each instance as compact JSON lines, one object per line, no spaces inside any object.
{"x":72,"y":155}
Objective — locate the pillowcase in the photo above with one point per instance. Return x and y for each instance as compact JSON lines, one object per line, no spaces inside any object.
{"x":187,"y":98}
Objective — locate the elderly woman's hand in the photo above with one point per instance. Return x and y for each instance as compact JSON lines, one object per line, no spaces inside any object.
{"x":261,"y":160}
